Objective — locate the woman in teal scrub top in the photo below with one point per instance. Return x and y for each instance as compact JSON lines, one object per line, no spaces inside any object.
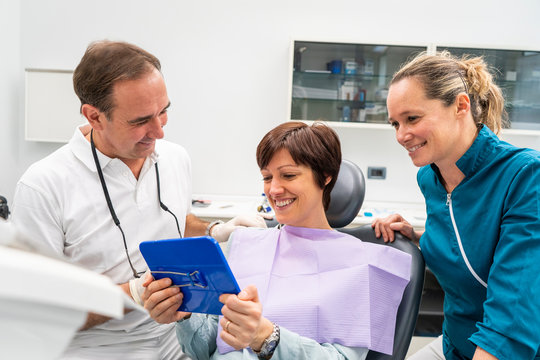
{"x":482,"y":234}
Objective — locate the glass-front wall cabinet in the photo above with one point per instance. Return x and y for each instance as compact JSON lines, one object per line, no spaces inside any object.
{"x":518,"y":75}
{"x":345,"y":82}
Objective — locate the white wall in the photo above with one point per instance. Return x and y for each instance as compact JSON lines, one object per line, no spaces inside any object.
{"x":10,"y":85}
{"x":226,"y":64}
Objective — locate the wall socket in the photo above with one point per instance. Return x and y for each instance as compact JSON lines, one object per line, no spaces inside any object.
{"x":377,"y":173}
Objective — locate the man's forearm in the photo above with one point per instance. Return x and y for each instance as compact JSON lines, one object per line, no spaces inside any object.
{"x":95,"y":319}
{"x":195,"y":226}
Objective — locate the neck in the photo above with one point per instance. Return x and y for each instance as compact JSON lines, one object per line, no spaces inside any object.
{"x":451,"y":177}
{"x":450,"y":173}
{"x":135,"y":165}
{"x":314,"y":222}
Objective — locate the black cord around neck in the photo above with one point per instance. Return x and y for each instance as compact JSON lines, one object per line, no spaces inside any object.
{"x":163,"y":206}
{"x":110,"y":205}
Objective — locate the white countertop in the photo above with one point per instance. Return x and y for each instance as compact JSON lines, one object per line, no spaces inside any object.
{"x":226,"y":207}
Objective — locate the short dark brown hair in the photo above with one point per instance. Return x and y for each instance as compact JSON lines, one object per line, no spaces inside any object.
{"x":103,"y":64}
{"x":316,"y":146}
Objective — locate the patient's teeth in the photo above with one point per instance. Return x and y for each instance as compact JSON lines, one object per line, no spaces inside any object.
{"x":284,"y":202}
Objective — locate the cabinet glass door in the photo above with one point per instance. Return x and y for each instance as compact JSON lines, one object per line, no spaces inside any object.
{"x":518,"y":75}
{"x":344,"y":82}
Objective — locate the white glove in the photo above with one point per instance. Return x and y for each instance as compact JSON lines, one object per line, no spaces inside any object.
{"x":221,"y":232}
{"x":136,"y":287}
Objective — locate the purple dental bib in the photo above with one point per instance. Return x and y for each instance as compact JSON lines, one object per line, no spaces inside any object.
{"x":322,"y":284}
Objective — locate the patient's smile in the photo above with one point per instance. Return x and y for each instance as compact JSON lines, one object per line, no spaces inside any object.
{"x":283,"y":203}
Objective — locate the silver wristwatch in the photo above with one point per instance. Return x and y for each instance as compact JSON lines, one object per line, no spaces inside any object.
{"x":269,"y":345}
{"x":210,"y":226}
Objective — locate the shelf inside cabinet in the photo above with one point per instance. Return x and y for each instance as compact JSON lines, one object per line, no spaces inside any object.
{"x":316,"y":74}
{"x":344,"y":82}
{"x":517,"y":73}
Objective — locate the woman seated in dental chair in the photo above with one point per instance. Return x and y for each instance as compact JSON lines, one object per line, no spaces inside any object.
{"x":309,"y":292}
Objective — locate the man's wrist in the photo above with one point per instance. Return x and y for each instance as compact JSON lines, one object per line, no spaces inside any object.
{"x":209,"y":227}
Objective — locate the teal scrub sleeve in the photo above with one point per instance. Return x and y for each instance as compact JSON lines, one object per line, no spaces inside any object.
{"x":510,"y":328}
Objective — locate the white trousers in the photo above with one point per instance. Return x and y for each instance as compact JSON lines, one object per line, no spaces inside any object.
{"x":432,"y":351}
{"x":165,"y":347}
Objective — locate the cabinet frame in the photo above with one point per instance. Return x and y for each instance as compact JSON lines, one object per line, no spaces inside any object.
{"x":430,"y":48}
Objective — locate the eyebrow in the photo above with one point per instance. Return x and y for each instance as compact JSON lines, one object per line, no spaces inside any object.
{"x":281,"y":167}
{"x":287,"y":165}
{"x":143,"y":119}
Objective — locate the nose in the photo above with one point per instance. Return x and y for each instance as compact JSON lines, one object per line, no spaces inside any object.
{"x":274,"y":187}
{"x":402,"y":134}
{"x":155,"y":130}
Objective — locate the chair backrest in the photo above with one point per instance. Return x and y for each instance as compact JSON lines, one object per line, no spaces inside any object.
{"x":410,"y":303}
{"x":346,"y":197}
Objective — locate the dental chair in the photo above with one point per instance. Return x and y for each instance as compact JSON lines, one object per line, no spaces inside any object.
{"x":345,"y":202}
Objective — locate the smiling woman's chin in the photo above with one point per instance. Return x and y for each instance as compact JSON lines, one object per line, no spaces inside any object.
{"x":418,"y":162}
{"x":281,"y":217}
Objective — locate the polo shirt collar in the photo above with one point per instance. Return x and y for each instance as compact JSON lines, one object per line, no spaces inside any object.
{"x":82,"y":150}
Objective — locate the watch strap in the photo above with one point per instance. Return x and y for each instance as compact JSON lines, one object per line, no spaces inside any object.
{"x":269,"y":344}
{"x":211,"y":225}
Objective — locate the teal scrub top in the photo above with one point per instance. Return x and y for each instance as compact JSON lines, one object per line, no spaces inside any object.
{"x":495,"y":211}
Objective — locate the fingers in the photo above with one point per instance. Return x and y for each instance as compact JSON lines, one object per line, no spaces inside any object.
{"x":227,"y":334}
{"x":266,"y":216}
{"x":385,"y":226}
{"x":162,"y":301}
{"x":239,"y":331}
{"x":155,"y":286}
{"x":242,"y":316}
{"x":249,"y":293}
{"x":163,"y":305}
{"x":148,"y":278}
{"x":403,"y":228}
{"x":249,"y":220}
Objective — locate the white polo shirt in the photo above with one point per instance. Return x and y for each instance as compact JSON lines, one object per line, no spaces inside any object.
{"x":59,"y":206}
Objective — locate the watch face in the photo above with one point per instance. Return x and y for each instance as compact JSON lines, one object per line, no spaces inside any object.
{"x":269,"y":345}
{"x":272,"y":344}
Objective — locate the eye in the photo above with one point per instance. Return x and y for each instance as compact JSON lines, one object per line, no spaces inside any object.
{"x":412,"y":118}
{"x":140,"y":123}
{"x":289,"y":176}
{"x":394,"y":124}
{"x":266,"y":178}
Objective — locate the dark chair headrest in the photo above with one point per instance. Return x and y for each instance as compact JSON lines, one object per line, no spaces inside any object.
{"x":4,"y":209}
{"x":347,"y":195}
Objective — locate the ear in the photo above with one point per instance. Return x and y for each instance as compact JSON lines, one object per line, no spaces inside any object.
{"x":327,"y":180}
{"x":463,"y":104}
{"x":94,"y":116}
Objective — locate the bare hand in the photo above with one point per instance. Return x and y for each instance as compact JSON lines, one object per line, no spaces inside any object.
{"x":395,"y":222}
{"x":162,"y":301}
{"x":242,"y":322}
